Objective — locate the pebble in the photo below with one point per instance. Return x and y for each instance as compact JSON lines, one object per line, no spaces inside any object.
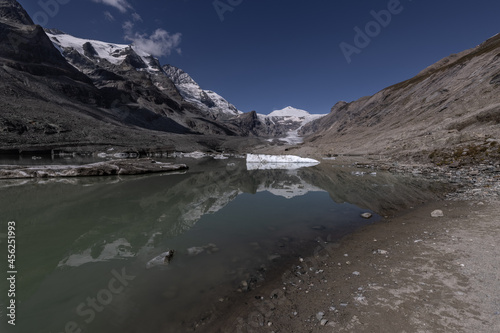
{"x":320,"y":315}
{"x":356,"y":273}
{"x":437,"y":213}
{"x":366,"y":215}
{"x":324,"y":322}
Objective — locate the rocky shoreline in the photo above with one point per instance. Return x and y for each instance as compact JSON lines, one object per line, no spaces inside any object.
{"x":472,"y":182}
{"x":417,"y":271}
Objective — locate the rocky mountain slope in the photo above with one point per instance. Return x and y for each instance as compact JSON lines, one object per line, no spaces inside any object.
{"x":60,"y":91}
{"x":141,"y":78}
{"x":448,"y":114}
{"x":215,"y":106}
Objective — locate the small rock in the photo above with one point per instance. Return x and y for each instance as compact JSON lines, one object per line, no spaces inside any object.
{"x":382,"y":252}
{"x":318,"y":227}
{"x":356,"y":273}
{"x":437,"y":213}
{"x":324,"y":322}
{"x":366,"y":215}
{"x":320,"y":315}
{"x":244,"y":285}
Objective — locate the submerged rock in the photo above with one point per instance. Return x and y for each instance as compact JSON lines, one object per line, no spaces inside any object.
{"x":161,"y":260}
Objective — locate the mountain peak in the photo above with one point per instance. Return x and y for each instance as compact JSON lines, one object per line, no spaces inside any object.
{"x":289,"y":111}
{"x":12,"y":11}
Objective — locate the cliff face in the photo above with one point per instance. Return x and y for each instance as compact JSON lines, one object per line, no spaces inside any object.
{"x":450,"y":105}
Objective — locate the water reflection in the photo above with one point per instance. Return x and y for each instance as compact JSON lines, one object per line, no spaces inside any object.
{"x":85,"y":244}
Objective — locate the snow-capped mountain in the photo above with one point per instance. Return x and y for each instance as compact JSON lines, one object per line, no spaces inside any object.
{"x":287,"y":122}
{"x":291,"y":115}
{"x":207,"y":100}
{"x":103,"y":52}
{"x":137,"y":79}
{"x":92,"y":93}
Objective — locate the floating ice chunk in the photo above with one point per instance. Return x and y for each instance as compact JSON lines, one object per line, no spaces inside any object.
{"x":265,"y":162}
{"x":196,"y":154}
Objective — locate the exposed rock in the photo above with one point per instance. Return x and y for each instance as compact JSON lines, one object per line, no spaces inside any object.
{"x":11,"y":10}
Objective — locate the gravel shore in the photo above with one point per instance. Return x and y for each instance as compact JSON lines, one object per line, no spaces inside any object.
{"x":409,"y":273}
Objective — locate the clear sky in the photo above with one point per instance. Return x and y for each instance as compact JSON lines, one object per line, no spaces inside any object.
{"x":264,"y":55}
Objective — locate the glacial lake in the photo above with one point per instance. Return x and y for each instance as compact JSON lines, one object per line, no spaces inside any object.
{"x":90,"y":251}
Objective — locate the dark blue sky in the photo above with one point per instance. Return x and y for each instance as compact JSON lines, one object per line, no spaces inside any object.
{"x":268,"y":54}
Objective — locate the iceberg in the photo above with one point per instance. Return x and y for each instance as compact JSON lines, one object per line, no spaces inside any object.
{"x":267,"y":162}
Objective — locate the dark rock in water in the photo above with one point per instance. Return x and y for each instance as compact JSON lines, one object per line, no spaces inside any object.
{"x":169,"y":256}
{"x":161,"y":260}
{"x":108,"y":168}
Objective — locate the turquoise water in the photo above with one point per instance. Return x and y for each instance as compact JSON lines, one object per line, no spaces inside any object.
{"x":86,"y":248}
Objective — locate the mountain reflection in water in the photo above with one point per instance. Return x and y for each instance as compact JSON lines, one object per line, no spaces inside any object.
{"x":226,"y":224}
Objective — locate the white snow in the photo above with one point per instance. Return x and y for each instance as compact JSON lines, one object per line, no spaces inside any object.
{"x":289,"y":112}
{"x":288,"y":116}
{"x":103,"y":49}
{"x":294,"y":114}
{"x":111,"y":52}
{"x":266,"y":162}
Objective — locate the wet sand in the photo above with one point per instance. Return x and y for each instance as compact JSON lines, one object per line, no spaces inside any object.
{"x":410,"y":273}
